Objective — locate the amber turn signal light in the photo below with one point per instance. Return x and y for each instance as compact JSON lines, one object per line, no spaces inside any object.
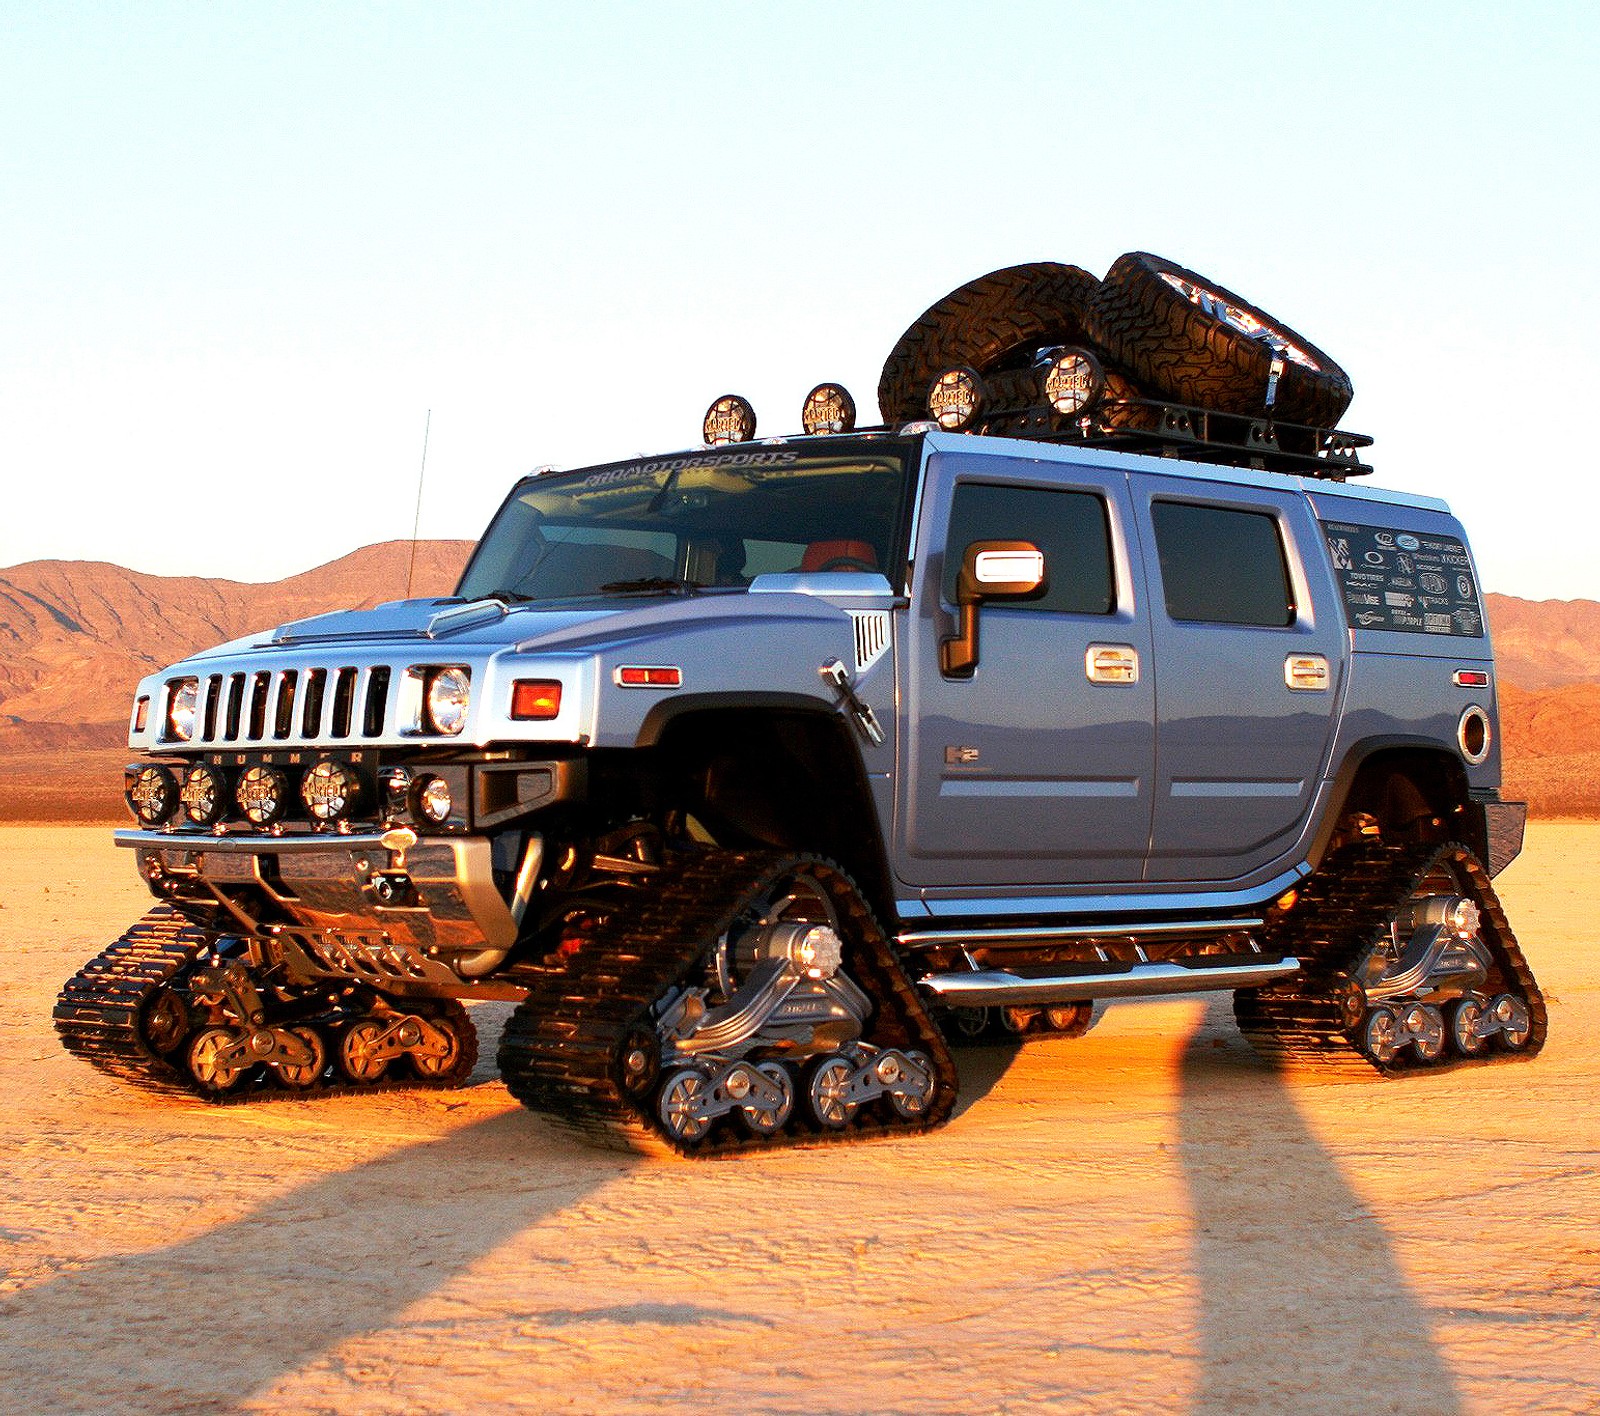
{"x":538,"y":699}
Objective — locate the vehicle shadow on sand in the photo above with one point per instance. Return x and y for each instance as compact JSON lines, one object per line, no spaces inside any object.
{"x":210,"y":1321}
{"x":1296,"y":1276}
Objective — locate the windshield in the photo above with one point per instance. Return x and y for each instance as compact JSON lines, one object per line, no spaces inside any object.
{"x":700,"y":521}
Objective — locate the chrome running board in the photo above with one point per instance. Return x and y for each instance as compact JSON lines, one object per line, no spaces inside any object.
{"x":986,"y":988}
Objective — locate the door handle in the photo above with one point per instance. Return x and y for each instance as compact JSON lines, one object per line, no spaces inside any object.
{"x":1307,"y":672}
{"x":1111,"y":663}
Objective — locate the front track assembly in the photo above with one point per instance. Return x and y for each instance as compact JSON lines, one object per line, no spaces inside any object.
{"x":167,"y":1008}
{"x":661,"y":1029}
{"x":1409,"y":962}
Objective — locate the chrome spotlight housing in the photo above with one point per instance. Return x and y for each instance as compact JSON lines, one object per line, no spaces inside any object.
{"x":263,"y":795}
{"x":204,"y":795}
{"x":330,"y":790}
{"x":151,"y":792}
{"x":730,"y":419}
{"x":1073,"y":381}
{"x":956,"y":399}
{"x":828,"y":409}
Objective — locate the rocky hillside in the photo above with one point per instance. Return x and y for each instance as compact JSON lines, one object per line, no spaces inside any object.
{"x":75,"y":636}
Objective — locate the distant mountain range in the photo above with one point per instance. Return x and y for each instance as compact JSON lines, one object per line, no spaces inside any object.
{"x":75,"y":636}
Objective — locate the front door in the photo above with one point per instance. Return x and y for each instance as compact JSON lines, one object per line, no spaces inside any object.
{"x":1035,"y":769}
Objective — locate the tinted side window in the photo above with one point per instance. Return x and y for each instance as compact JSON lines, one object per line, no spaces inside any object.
{"x":1071,"y":528}
{"x":1225,"y":567}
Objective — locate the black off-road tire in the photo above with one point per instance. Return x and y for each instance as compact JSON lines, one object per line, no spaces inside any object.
{"x":1194,"y":355}
{"x":979,"y":325}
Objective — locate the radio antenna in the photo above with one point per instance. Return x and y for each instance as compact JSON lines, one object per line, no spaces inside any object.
{"x":416,"y":521}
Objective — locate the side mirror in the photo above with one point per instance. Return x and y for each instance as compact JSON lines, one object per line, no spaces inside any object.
{"x":990,"y":570}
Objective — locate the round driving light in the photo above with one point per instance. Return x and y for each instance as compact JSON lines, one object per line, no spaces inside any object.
{"x":263,"y":795}
{"x":730,"y":419}
{"x":828,"y":409}
{"x":431,"y":799}
{"x":1073,"y":381}
{"x":181,"y":706}
{"x":448,"y":692}
{"x":956,"y":399}
{"x":152,"y":794}
{"x":205,"y":795}
{"x":329,"y":790}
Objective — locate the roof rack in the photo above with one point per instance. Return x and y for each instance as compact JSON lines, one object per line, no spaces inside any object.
{"x":1198,"y":434}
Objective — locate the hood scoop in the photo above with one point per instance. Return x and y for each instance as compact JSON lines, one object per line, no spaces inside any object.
{"x":399,"y":619}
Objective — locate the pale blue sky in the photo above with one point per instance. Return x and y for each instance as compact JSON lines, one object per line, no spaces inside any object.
{"x":248,"y":246}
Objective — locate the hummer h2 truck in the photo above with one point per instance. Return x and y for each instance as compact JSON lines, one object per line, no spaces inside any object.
{"x":758,"y":774}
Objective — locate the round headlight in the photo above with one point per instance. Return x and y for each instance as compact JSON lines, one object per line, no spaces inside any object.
{"x":730,"y":419}
{"x":329,"y":790}
{"x":431,"y":799}
{"x":1073,"y":381}
{"x":152,"y":794}
{"x":448,"y":692}
{"x":956,"y":399}
{"x":263,"y":795}
{"x":204,"y":795}
{"x":828,"y":409}
{"x":183,"y":699}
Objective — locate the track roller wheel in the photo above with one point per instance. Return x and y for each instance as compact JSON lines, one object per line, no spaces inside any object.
{"x":166,"y":1022}
{"x":1381,"y":1036}
{"x":1516,"y":1023}
{"x":211,"y":1062}
{"x":909,"y":1104}
{"x":1018,"y":1020}
{"x":828,"y":1092}
{"x":965,"y":1024}
{"x":1069,"y":1019}
{"x":1425,"y":1027}
{"x":300,"y":1075}
{"x":453,"y":1065}
{"x":361,"y":1055}
{"x":1466,"y":1023}
{"x":680,"y":1106}
{"x":771,"y":1120}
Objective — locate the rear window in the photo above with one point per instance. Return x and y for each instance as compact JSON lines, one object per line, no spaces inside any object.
{"x":1221,"y":566}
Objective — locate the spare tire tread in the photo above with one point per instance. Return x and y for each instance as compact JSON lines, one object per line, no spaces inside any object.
{"x":979,"y":324}
{"x":1179,"y":350}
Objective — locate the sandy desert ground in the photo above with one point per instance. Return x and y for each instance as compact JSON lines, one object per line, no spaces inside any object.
{"x":1143,"y":1220}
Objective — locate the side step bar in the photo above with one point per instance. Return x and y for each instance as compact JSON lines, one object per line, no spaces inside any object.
{"x":985,"y":988}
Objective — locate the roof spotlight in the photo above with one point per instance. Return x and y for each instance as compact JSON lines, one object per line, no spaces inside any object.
{"x":730,"y":419}
{"x":956,"y":399}
{"x":828,"y":409}
{"x":1073,"y":381}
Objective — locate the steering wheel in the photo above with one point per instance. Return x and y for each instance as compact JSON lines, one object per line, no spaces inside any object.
{"x":848,"y":563}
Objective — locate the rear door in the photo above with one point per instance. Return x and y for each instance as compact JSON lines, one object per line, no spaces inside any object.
{"x":1249,"y":655}
{"x":1036,"y":769}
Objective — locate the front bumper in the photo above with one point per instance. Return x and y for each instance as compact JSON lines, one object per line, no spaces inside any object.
{"x":433,"y":897}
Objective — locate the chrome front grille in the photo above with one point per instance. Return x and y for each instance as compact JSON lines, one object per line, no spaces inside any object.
{"x":266,"y":707}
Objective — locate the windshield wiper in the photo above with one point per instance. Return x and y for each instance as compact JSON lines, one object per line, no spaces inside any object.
{"x":654,"y":584}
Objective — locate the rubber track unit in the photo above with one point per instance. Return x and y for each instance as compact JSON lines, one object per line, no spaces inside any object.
{"x":1171,"y":345}
{"x":100,"y":1018}
{"x":561,"y":1050}
{"x":1342,"y":911}
{"x":981,"y":322}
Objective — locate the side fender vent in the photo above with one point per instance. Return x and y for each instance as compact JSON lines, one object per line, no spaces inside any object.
{"x":872,"y":637}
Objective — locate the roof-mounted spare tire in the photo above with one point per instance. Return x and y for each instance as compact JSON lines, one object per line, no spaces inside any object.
{"x":1196,"y":342}
{"x":979,"y":325}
